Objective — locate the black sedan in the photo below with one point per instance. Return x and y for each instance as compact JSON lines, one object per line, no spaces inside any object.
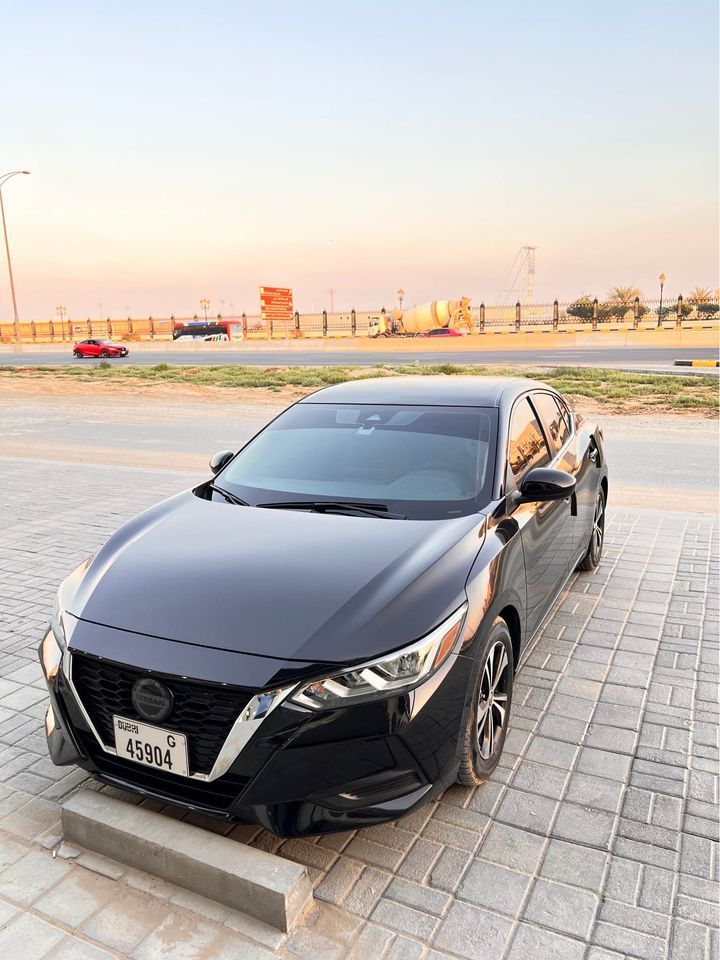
{"x":325,"y":634}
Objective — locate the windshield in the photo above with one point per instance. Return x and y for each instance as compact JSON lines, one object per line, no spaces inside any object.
{"x":421,"y":462}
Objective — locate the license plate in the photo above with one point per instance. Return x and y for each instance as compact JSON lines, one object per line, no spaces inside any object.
{"x":151,"y":746}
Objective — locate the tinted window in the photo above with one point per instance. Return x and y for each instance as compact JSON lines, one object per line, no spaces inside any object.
{"x":553,"y":418}
{"x":423,"y":462}
{"x":566,"y":415}
{"x":527,"y":444}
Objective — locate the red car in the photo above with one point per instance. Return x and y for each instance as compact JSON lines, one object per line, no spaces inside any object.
{"x":99,"y":348}
{"x":441,"y":332}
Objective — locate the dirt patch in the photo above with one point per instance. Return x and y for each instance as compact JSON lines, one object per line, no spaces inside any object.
{"x":634,"y":408}
{"x":28,"y":386}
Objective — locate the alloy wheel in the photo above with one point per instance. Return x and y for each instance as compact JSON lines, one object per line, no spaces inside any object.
{"x":598,"y":530}
{"x":492,"y":702}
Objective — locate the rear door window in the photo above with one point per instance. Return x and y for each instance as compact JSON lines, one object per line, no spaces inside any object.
{"x":553,"y":419}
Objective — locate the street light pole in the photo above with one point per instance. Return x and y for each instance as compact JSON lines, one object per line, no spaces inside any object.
{"x":400,"y":296}
{"x":662,"y":279}
{"x":16,"y":321}
{"x":204,"y":303}
{"x":62,"y":313}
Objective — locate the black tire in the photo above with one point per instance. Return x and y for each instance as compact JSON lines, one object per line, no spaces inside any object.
{"x":105,"y":353}
{"x":591,"y":560}
{"x":487,"y":727}
{"x":78,"y":354}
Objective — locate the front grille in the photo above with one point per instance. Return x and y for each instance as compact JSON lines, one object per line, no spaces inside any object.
{"x":204,"y":712}
{"x":215,"y":796}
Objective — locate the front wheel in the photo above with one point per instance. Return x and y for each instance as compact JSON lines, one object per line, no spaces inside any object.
{"x":489,"y":711}
{"x":597,"y":536}
{"x":78,"y":354}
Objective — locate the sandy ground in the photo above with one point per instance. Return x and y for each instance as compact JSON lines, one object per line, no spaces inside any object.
{"x":17,"y":385}
{"x":167,"y":426}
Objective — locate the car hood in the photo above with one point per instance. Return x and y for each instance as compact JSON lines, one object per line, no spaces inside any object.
{"x":277,"y":583}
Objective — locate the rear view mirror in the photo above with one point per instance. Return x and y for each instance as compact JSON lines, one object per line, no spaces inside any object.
{"x":543,"y":484}
{"x":218,"y":460}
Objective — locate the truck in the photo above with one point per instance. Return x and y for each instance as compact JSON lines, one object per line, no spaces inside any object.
{"x":428,"y":316}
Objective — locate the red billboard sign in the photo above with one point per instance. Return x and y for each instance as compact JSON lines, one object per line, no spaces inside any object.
{"x":276,"y":304}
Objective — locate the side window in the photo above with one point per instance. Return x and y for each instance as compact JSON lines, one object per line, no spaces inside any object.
{"x":527,"y":443}
{"x":553,"y":418}
{"x":566,"y":415}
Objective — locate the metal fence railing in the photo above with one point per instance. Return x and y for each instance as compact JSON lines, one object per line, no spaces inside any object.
{"x":581,"y":314}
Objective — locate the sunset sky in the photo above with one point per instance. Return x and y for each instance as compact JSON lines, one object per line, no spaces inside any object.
{"x":185,"y":150}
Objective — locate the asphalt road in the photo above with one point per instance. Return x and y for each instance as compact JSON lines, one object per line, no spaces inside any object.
{"x":640,"y":358}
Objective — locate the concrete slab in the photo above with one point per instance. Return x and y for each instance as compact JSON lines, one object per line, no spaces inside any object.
{"x":265,"y":886}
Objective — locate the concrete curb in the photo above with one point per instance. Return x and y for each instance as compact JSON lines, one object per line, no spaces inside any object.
{"x":697,"y":363}
{"x":269,"y":888}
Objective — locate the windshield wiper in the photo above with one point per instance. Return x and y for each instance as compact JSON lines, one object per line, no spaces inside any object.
{"x":230,"y":497}
{"x":336,"y":506}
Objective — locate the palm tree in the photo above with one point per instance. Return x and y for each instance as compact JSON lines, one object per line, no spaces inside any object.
{"x":700,"y":295}
{"x":704,"y":301}
{"x":621,"y":301}
{"x":623,"y":296}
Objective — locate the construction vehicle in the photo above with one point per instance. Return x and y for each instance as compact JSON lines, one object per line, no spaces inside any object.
{"x":428,"y":316}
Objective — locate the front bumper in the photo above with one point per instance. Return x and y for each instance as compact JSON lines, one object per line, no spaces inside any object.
{"x":304,"y":772}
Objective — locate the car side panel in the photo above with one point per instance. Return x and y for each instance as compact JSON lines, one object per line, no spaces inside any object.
{"x":570,"y":460}
{"x":547,"y":532}
{"x":496,"y":581}
{"x":588,"y":475}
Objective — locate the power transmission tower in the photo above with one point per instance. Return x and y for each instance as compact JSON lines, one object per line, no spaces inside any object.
{"x":529,"y":274}
{"x":523,"y":266}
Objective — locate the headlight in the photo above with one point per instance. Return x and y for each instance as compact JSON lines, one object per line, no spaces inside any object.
{"x":50,"y":656}
{"x":396,"y":672}
{"x":57,"y":622}
{"x":53,"y":645}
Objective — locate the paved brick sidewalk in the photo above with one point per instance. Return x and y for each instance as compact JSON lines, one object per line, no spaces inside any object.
{"x":595,"y":839}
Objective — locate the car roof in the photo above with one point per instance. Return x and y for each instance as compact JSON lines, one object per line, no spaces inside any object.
{"x":454,"y":390}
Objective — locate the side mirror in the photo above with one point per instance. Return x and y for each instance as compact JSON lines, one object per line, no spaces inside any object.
{"x":543,"y":484}
{"x":218,"y":460}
